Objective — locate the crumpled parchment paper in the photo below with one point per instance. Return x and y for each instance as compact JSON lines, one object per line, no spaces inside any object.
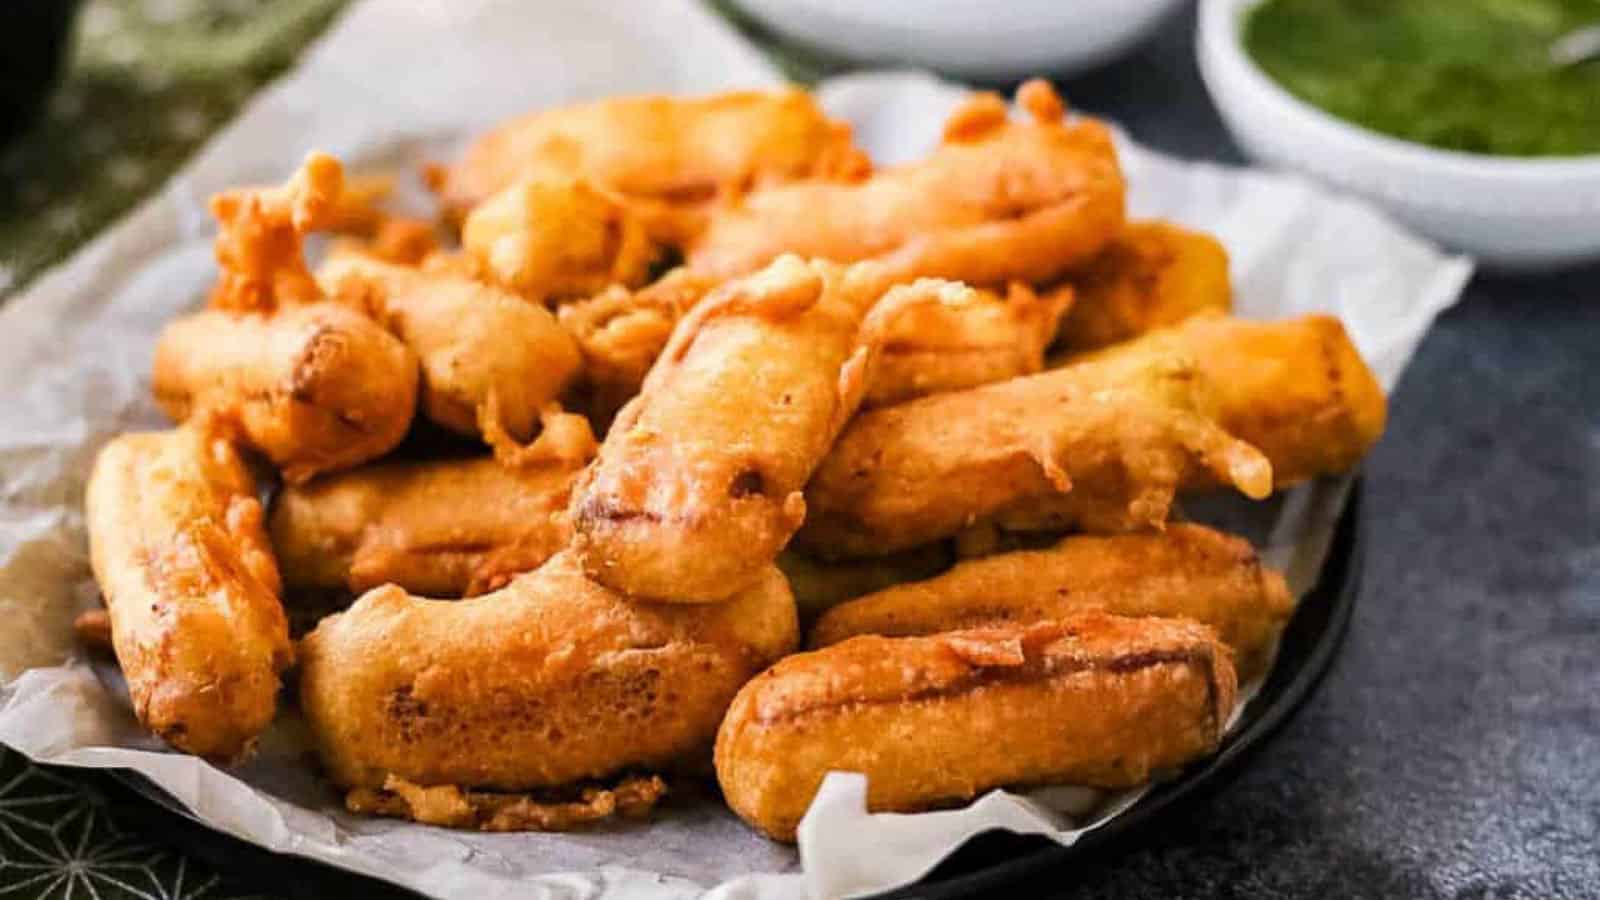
{"x":394,"y":81}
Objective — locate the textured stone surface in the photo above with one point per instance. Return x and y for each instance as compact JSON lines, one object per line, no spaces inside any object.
{"x":1454,"y":750}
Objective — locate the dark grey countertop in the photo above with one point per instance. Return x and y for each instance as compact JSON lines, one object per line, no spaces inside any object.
{"x":1454,"y":749}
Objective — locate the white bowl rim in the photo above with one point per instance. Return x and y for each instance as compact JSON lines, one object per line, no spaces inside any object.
{"x":1221,"y":24}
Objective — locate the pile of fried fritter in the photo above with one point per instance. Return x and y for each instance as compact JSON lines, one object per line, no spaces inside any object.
{"x":660,"y":367}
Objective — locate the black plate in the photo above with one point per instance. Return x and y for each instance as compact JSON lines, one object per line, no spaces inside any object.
{"x":982,"y":866}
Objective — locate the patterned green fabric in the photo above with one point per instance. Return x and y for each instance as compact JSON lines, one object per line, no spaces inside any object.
{"x":149,"y":81}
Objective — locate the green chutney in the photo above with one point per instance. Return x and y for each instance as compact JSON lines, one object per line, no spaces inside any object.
{"x":1467,"y":75}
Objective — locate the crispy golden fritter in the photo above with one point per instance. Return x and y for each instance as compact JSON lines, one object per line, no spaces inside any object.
{"x":552,"y":680}
{"x":1092,"y":699}
{"x":669,"y":158}
{"x":963,"y":338}
{"x":819,"y":584}
{"x":554,"y":238}
{"x":357,"y":207}
{"x":315,"y":386}
{"x":697,"y":485}
{"x":1185,"y":571}
{"x":997,"y":201}
{"x":622,"y":331}
{"x":261,"y":235}
{"x":92,"y":628}
{"x":562,"y":810}
{"x":1297,"y":389}
{"x":1101,"y":447}
{"x":400,"y":240}
{"x":1154,"y":274}
{"x":183,"y":563}
{"x":492,"y":363}
{"x":956,"y":338}
{"x":440,"y":528}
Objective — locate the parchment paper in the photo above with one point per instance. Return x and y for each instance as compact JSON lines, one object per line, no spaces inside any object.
{"x":394,"y":81}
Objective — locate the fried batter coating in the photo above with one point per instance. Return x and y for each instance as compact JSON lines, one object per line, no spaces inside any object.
{"x":1092,"y":699}
{"x":1297,"y":389}
{"x":669,"y":157}
{"x":1154,"y":274}
{"x":552,"y":680}
{"x":549,"y":238}
{"x":92,"y":628}
{"x":441,"y":528}
{"x":1186,"y":571}
{"x":1101,"y":447}
{"x":447,"y":805}
{"x":315,"y":386}
{"x":483,"y":351}
{"x":964,"y":338}
{"x":358,"y":207}
{"x":958,"y":337}
{"x":622,"y":331}
{"x":396,"y":239}
{"x":697,"y":486}
{"x":819,"y":585}
{"x":261,"y":236}
{"x":998,"y":201}
{"x":183,"y":563}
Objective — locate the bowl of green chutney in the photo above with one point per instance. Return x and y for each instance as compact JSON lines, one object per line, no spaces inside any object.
{"x":1453,"y":115}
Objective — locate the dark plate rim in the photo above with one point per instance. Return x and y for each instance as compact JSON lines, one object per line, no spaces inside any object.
{"x":1309,"y":645}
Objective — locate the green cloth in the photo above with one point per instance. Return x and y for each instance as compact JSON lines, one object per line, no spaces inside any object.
{"x":148,"y":82}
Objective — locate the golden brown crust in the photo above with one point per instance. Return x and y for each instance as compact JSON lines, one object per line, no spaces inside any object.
{"x":92,"y":628}
{"x":1154,"y":274}
{"x":1092,"y":699}
{"x":671,"y":158}
{"x":819,"y":585}
{"x":1297,"y":389}
{"x":1186,"y":571}
{"x":357,"y":207}
{"x":621,"y":332}
{"x":447,"y":805}
{"x":549,"y":681}
{"x":550,"y":238}
{"x":697,"y":486}
{"x":315,"y":387}
{"x":400,"y":240}
{"x":183,"y":563}
{"x":443,"y":528}
{"x":957,"y":338}
{"x":478,"y":346}
{"x":963,"y":338}
{"x":1099,"y":447}
{"x":261,"y":234}
{"x":998,"y":201}
{"x":1038,"y":98}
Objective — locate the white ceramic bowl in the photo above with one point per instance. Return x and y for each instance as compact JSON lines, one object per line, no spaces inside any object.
{"x":1003,"y":39}
{"x":1510,"y":213}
